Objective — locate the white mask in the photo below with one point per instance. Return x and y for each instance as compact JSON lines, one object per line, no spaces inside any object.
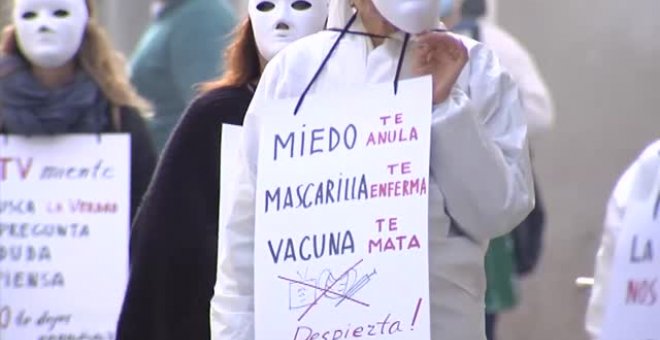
{"x":411,"y":16}
{"x":49,"y":32}
{"x":277,"y":23}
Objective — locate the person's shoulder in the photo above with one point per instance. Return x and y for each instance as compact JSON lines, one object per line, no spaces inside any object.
{"x":224,"y":105}
{"x":651,"y":151}
{"x":624,"y":186}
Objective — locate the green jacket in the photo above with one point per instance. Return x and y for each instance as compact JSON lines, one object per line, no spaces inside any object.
{"x":501,"y":290}
{"x":182,"y":47}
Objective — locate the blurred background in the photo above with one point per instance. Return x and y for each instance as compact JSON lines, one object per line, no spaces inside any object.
{"x":601,"y":60}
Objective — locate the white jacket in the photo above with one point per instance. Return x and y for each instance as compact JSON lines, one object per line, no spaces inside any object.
{"x":642,"y":172}
{"x":534,"y":95}
{"x":480,"y":174}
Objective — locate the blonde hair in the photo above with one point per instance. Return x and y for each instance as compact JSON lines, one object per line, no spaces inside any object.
{"x":99,"y":59}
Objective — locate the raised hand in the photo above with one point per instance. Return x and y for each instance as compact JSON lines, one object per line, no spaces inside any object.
{"x":441,"y":55}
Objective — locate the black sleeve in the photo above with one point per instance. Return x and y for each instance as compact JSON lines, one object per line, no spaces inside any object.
{"x":143,"y":156}
{"x":174,"y":235}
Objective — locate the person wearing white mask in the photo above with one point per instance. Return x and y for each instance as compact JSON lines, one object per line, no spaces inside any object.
{"x":178,"y":51}
{"x":59,"y":75}
{"x":175,"y":235}
{"x":480,"y":183}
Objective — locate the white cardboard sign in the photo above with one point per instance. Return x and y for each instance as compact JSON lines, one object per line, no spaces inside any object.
{"x":633,"y":301}
{"x":64,"y":226}
{"x":341,"y":244}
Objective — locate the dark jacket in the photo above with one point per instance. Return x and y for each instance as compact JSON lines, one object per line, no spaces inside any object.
{"x":175,"y":233}
{"x":143,"y":154}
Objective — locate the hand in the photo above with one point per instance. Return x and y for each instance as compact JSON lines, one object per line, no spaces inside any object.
{"x":441,"y":55}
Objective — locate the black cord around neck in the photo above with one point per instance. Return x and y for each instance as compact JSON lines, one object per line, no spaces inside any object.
{"x":325,"y":61}
{"x":364,"y":34}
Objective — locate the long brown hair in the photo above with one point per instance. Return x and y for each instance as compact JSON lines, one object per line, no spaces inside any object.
{"x":99,"y":59}
{"x":241,"y":60}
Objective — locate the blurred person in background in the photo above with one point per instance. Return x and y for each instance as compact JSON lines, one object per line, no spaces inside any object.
{"x":59,"y":75}
{"x":174,"y":245}
{"x":515,"y":254}
{"x":179,"y":50}
{"x":635,"y":183}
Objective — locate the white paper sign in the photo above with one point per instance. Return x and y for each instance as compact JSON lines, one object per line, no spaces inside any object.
{"x":633,"y":304}
{"x":341,"y":246}
{"x":64,"y":226}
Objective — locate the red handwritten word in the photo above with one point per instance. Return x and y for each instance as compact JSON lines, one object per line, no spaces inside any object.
{"x":391,"y":224}
{"x":396,"y":168}
{"x":23,"y":167}
{"x":394,"y":243}
{"x":88,"y":207}
{"x":642,"y":292}
{"x":384,"y":327}
{"x":402,"y":188}
{"x":392,"y":136}
{"x":398,"y":118}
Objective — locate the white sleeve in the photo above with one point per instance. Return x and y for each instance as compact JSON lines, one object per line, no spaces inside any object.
{"x":604,"y":258}
{"x":479,"y":152}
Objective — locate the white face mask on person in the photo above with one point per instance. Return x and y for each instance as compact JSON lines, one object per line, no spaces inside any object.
{"x":50,"y":32}
{"x":277,"y":23}
{"x":410,"y":16}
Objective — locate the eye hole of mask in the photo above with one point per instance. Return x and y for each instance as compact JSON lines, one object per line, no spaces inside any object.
{"x":301,"y":5}
{"x":61,"y":13}
{"x":29,"y":15}
{"x":265,"y":6}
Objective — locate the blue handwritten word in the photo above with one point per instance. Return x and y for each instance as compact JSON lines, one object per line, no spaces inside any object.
{"x":334,"y":138}
{"x":318,"y":193}
{"x":313,"y":246}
